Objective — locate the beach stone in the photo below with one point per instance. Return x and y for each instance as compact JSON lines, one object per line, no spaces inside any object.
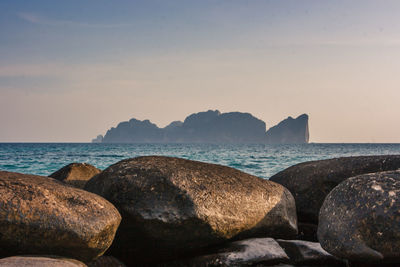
{"x":304,"y":252}
{"x":76,"y":174}
{"x":106,"y":261}
{"x":40,"y":215}
{"x":40,"y":261}
{"x":172,"y":206}
{"x":310,"y":182}
{"x":360,"y":219}
{"x":249,"y":252}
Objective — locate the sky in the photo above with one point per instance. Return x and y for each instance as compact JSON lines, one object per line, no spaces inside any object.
{"x":70,"y":70}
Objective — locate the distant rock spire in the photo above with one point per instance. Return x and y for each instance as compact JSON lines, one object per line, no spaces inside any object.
{"x":290,"y":131}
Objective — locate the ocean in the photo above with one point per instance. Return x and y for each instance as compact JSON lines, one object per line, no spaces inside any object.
{"x":257,"y":159}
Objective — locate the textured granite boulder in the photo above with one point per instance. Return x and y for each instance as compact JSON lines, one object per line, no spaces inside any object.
{"x":40,"y":215}
{"x":304,"y":252}
{"x":75,"y":174}
{"x":360,"y":218}
{"x":249,"y":252}
{"x":172,"y":206}
{"x":39,"y":261}
{"x":310,"y":182}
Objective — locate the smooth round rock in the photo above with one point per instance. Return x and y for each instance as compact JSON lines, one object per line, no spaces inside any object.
{"x":40,"y":215}
{"x":310,"y":182}
{"x":39,"y":261}
{"x":76,"y":174}
{"x":172,"y":206}
{"x":360,"y":218}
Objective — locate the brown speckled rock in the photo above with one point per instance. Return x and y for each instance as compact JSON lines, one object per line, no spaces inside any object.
{"x":39,"y":261}
{"x":360,"y":218}
{"x":40,"y":215}
{"x":310,"y":182}
{"x":75,"y":174}
{"x":172,"y":206}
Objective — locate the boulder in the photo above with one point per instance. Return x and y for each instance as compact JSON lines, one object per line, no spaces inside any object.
{"x":360,"y":219}
{"x":39,"y":261}
{"x":173,"y":206}
{"x":304,"y":252}
{"x":40,"y":215}
{"x":310,"y":182}
{"x":247,"y":252}
{"x":75,"y":174}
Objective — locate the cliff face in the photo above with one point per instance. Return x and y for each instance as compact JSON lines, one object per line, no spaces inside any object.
{"x":289,"y":131}
{"x":134,"y":131}
{"x":210,"y":127}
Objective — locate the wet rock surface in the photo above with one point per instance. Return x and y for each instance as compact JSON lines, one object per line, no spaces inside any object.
{"x":304,"y":252}
{"x":40,"y":215}
{"x":39,"y":261}
{"x":172,"y":206}
{"x":310,"y":182}
{"x":360,"y":219}
{"x":75,"y":174}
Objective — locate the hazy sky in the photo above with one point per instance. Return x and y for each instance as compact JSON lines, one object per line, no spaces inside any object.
{"x":69,"y":70}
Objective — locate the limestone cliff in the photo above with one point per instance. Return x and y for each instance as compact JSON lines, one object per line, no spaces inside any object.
{"x":211,"y":127}
{"x":289,"y":131}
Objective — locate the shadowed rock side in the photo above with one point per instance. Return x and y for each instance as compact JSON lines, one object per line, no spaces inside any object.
{"x":360,"y":218}
{"x":39,"y":261}
{"x":210,"y":127}
{"x":310,"y":182}
{"x":289,"y":131}
{"x":106,"y":261}
{"x":75,"y":174}
{"x":172,"y":206}
{"x":40,"y":215}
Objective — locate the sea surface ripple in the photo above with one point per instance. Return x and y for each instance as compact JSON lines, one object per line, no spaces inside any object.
{"x":257,"y":159}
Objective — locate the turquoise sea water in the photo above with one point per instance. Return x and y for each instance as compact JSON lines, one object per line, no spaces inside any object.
{"x":258,"y":159}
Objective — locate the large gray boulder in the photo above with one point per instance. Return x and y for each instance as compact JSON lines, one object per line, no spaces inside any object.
{"x":360,"y":219}
{"x":40,"y":215}
{"x":75,"y":174}
{"x":172,"y":206}
{"x":310,"y":182}
{"x":39,"y":261}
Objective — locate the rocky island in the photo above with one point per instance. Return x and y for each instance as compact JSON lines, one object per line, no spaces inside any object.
{"x":210,"y":127}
